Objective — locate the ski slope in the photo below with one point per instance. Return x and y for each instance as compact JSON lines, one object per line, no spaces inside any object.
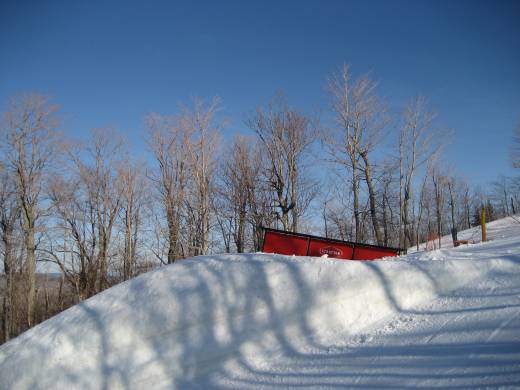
{"x":496,"y":230}
{"x":448,"y":318}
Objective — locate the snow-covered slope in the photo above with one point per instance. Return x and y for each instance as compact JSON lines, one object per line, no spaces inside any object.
{"x":496,"y":230}
{"x":447,"y":318}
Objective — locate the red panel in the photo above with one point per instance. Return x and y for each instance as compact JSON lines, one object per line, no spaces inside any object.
{"x":332,"y":249}
{"x":371,"y":253}
{"x":285,"y":244}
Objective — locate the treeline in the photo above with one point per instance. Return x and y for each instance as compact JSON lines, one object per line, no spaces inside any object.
{"x":100,"y":216}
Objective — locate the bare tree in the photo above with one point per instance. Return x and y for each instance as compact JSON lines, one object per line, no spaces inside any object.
{"x":501,"y":194}
{"x":103,"y":190}
{"x":87,"y":203}
{"x":360,"y":123}
{"x":389,"y":203}
{"x":185,"y":148}
{"x":325,"y":201}
{"x":170,"y":144}
{"x":515,"y":194}
{"x":439,"y":185}
{"x":368,"y":168}
{"x":235,"y":189}
{"x":132,"y":199}
{"x":202,"y":124}
{"x":286,"y":136}
{"x":423,"y":205}
{"x":343,"y":146}
{"x":336,"y":209}
{"x":74,"y":249}
{"x":417,"y":146}
{"x":28,"y":134}
{"x":245,"y":204}
{"x":260,"y":196}
{"x":452,"y":186}
{"x":465,"y":204}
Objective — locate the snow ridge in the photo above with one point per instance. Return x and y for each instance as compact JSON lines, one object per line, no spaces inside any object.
{"x":260,"y":320}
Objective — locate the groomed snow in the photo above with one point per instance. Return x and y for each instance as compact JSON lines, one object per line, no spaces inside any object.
{"x":448,"y":318}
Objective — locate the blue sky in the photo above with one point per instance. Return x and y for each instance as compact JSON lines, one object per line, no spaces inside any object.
{"x":108,"y":63}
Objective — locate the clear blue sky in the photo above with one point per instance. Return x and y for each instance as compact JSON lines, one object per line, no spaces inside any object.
{"x":109,"y":63}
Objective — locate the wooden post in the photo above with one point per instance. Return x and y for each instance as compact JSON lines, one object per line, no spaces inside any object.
{"x":483,"y":224}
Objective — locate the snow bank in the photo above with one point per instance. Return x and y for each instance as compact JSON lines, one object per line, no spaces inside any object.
{"x":204,"y":319}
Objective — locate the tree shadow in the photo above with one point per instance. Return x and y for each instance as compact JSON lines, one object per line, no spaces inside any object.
{"x":251,"y":321}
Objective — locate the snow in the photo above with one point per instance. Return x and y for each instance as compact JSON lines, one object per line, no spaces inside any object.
{"x":447,"y":318}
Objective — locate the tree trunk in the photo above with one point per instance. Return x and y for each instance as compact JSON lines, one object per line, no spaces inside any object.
{"x":103,"y":269}
{"x":385,"y":222}
{"x":294,"y":201}
{"x":172,"y":239}
{"x":439,"y":221}
{"x":408,"y":231}
{"x":31,"y":270}
{"x":355,"y":203}
{"x":240,"y":241}
{"x":8,"y":298}
{"x":452,"y":205}
{"x":7,"y":236}
{"x":372,"y":199}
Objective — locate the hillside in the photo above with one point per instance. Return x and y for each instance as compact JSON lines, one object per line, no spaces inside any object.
{"x":496,"y":230}
{"x":446,"y":318}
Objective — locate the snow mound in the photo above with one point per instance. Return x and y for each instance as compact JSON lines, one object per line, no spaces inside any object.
{"x":221,"y":321}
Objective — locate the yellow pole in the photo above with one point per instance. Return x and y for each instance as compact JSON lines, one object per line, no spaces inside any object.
{"x":483,"y":224}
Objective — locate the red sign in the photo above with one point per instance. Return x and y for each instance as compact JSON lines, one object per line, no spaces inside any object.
{"x":331,"y":251}
{"x":319,"y":247}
